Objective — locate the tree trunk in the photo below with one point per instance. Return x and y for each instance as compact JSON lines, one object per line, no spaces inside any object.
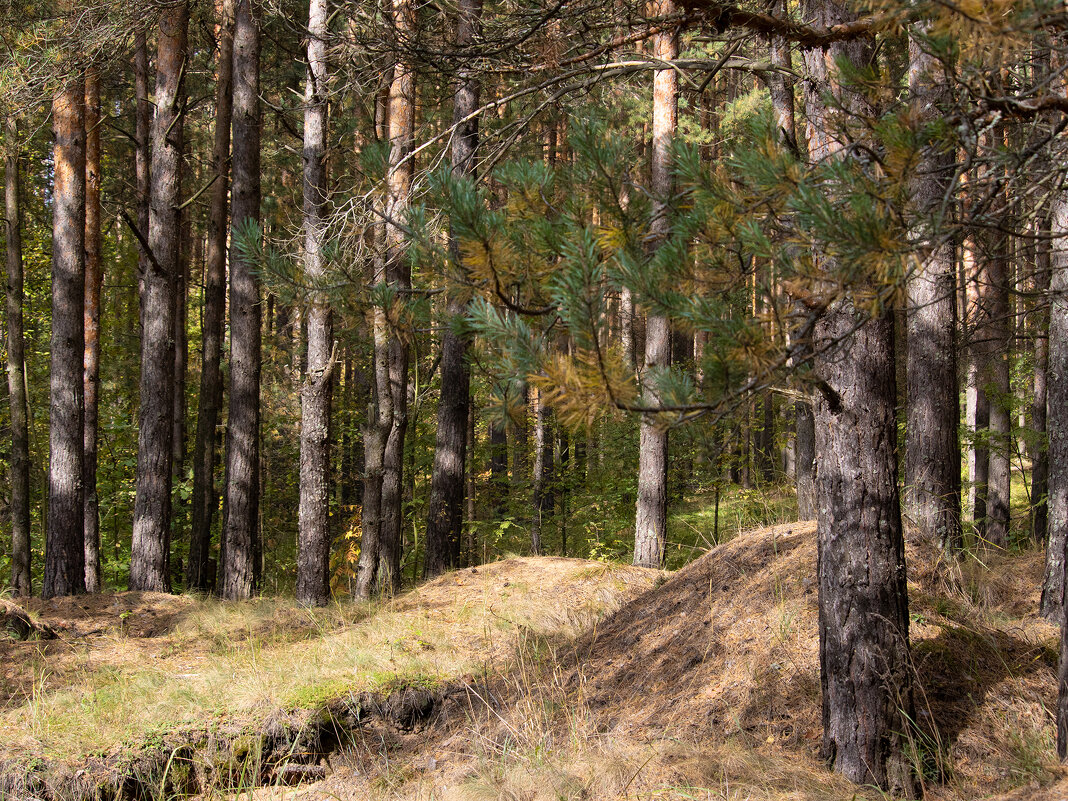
{"x":805,"y":460}
{"x":1053,"y":583}
{"x":650,"y":529}
{"x":932,"y":463}
{"x":863,"y":605}
{"x":241,"y":530}
{"x":998,"y":396}
{"x":205,"y":448}
{"x":150,"y":550}
{"x":142,"y":133}
{"x":1053,"y":588}
{"x":16,"y":373}
{"x":444,"y":527}
{"x":91,"y":358}
{"x":313,"y":552}
{"x":64,"y":540}
{"x":543,"y":473}
{"x":1038,"y":450}
{"x":398,"y":276}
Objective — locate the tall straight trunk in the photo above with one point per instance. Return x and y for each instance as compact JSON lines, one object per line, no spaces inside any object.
{"x":650,"y":528}
{"x":205,"y":451}
{"x":1057,"y":426}
{"x":398,"y":276}
{"x":16,"y":372}
{"x":444,"y":526}
{"x":470,"y":546}
{"x":805,"y":460}
{"x":181,"y":343}
{"x":543,"y":470}
{"x":150,"y":549}
{"x":1038,"y":451}
{"x":241,"y":529}
{"x":142,"y":134}
{"x":520,"y":434}
{"x":91,"y":358}
{"x":998,"y":392}
{"x":1053,"y":582}
{"x":865,"y":672}
{"x":498,"y":466}
{"x":313,"y":551}
{"x":932,"y":451}
{"x":64,"y":539}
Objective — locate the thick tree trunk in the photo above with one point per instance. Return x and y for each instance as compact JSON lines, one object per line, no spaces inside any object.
{"x":932,"y":464}
{"x":398,"y":276}
{"x":16,"y":373}
{"x":313,"y":551}
{"x":64,"y":539}
{"x":150,"y":550}
{"x":241,"y":529}
{"x":863,"y":605}
{"x":650,"y":529}
{"x":91,"y":359}
{"x":444,"y":528}
{"x":209,"y":408}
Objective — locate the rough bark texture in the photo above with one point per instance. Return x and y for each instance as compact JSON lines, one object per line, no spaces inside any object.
{"x":398,"y":276}
{"x":150,"y":551}
{"x":64,"y":540}
{"x":16,"y":372}
{"x":205,"y":451}
{"x":1038,"y":450}
{"x":1057,"y":426}
{"x":313,"y":544}
{"x":863,"y":606}
{"x":543,"y":459}
{"x":650,"y":528}
{"x":91,"y":359}
{"x":241,"y":525}
{"x":142,"y":134}
{"x":1053,"y":583}
{"x":932,"y":463}
{"x":444,"y":528}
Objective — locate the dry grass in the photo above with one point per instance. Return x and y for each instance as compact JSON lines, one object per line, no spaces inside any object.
{"x":595,"y":681}
{"x":131,"y":665}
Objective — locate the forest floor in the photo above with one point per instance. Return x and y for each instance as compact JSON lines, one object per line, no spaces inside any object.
{"x":533,"y":678}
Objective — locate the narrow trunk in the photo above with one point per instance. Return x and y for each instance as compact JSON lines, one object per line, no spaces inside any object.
{"x":650,"y":527}
{"x":543,"y":460}
{"x":498,"y":466}
{"x":241,"y":530}
{"x":932,"y":464}
{"x":1057,"y":425}
{"x":865,"y":672}
{"x":998,"y":394}
{"x":142,"y":133}
{"x":805,"y":460}
{"x":150,"y":549}
{"x":91,"y":358}
{"x":16,"y":373}
{"x":199,"y":575}
{"x":313,"y":552}
{"x":1038,"y":450}
{"x":1053,"y":583}
{"x":64,"y":540}
{"x":444,"y":528}
{"x":398,"y":276}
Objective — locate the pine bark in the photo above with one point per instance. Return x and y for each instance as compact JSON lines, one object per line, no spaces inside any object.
{"x":241,"y":524}
{"x":64,"y":539}
{"x":1038,"y":450}
{"x":650,"y":529}
{"x":1053,"y":582}
{"x":805,"y":460}
{"x":16,"y":372}
{"x":863,"y":605}
{"x":313,"y":552}
{"x":444,"y":528}
{"x":997,"y":382}
{"x":1053,"y":588}
{"x":398,"y":277}
{"x":205,"y":498}
{"x":150,"y":549}
{"x":932,"y":452}
{"x":91,"y":358}
{"x":142,"y":134}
